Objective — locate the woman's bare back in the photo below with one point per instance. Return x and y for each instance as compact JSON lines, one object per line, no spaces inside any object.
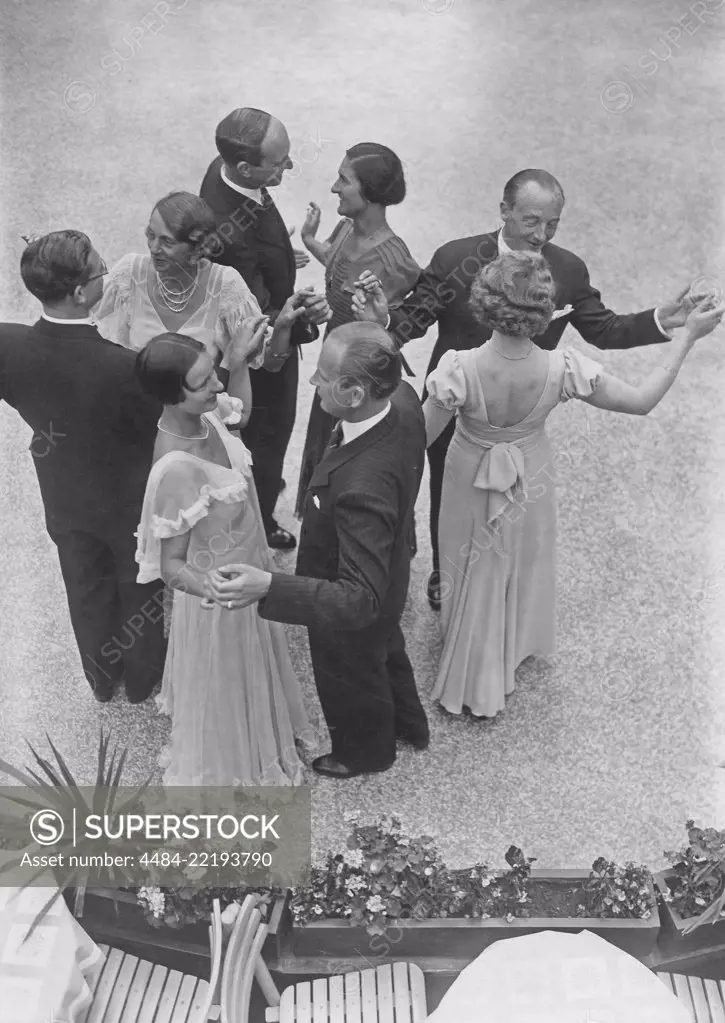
{"x":511,"y":388}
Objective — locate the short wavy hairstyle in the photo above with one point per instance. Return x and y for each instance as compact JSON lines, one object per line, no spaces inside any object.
{"x":53,"y":266}
{"x":379,"y":171}
{"x":189,"y":219}
{"x":162,"y":366}
{"x":514,"y":294}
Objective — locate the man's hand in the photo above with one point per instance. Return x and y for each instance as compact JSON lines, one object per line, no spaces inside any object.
{"x":369,"y":301}
{"x":301,"y":257}
{"x":317,"y":309}
{"x":237,"y":586}
{"x":704,"y":318}
{"x":294,"y":308}
{"x":674,"y":314}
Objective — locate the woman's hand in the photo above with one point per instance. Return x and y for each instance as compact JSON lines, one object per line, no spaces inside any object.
{"x":704,"y":318}
{"x":248,"y":342}
{"x":312,"y":222}
{"x":369,"y":301}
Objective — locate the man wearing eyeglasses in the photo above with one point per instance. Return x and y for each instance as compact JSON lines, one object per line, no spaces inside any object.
{"x":251,"y":236}
{"x":93,"y":438}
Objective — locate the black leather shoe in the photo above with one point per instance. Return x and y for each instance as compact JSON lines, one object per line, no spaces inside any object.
{"x":417,"y":743}
{"x":332,"y":768}
{"x":104,"y":691}
{"x":434,"y":590}
{"x":281,"y":540}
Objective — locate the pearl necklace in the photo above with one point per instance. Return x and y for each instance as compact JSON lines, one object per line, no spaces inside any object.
{"x":177,"y":301}
{"x":182,"y":436}
{"x":511,"y":358}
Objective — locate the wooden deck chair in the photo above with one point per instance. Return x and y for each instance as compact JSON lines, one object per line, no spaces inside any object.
{"x":705,"y":999}
{"x":387,"y":994}
{"x":131,"y":990}
{"x":390,"y":994}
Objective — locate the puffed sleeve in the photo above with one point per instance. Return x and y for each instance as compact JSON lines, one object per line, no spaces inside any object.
{"x":179,"y":493}
{"x":113,"y":313}
{"x":236,"y":304}
{"x":580,"y":375}
{"x":446,"y":385}
{"x":394,"y":267}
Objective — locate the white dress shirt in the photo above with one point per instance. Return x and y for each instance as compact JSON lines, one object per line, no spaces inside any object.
{"x":75,"y":322}
{"x":352,"y":430}
{"x":251,"y":193}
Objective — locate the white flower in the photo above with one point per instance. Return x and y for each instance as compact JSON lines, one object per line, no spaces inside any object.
{"x":230,"y":409}
{"x":375,"y":904}
{"x":647,"y":914}
{"x":428,"y":871}
{"x":485,"y":881}
{"x":154,"y":899}
{"x":354,"y":858}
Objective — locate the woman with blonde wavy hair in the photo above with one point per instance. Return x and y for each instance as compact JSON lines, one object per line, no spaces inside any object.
{"x":497,"y":529}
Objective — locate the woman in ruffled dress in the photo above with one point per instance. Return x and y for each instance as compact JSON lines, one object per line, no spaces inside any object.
{"x":497,"y":528}
{"x":238,"y":716}
{"x":370,"y":179}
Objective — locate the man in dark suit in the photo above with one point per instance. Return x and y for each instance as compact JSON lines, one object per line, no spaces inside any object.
{"x":93,"y":439}
{"x":251,"y":236}
{"x":531,"y":207}
{"x":353,"y":566}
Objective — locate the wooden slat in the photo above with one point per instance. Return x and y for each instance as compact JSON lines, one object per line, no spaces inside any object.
{"x":287,"y":1007}
{"x":104,"y":988}
{"x":165,"y":1011}
{"x":200,"y":1007}
{"x":715,"y":1001}
{"x":184,"y":999}
{"x":336,"y":995}
{"x":152,"y":997}
{"x":368,"y":996}
{"x":121,"y":990}
{"x":319,"y":1000}
{"x":666,"y":979}
{"x":401,"y":993}
{"x":92,"y":979}
{"x":682,"y":991}
{"x":699,"y":1000}
{"x":302,"y":995}
{"x":137,"y":994}
{"x":385,"y":993}
{"x":417,"y":993}
{"x":271,"y":1014}
{"x":352,"y":998}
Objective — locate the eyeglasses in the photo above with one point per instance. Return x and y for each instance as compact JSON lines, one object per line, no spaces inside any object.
{"x":103,"y":273}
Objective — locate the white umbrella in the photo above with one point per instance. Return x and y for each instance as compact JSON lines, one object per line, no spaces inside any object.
{"x":550,"y":977}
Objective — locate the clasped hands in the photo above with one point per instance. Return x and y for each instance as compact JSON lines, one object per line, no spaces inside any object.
{"x":236,"y":586}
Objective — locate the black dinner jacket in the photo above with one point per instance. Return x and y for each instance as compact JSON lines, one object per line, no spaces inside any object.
{"x":93,"y":427}
{"x":254,"y":240}
{"x":353,"y":565}
{"x":443,"y":289}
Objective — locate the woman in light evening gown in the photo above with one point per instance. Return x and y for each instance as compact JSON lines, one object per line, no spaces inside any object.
{"x":497,"y":529}
{"x":370,"y":179}
{"x":236,"y":706}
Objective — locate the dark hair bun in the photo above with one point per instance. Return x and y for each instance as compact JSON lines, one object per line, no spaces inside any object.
{"x":379,"y":171}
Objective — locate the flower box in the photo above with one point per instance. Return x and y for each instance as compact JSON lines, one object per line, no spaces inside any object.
{"x":183,"y":948}
{"x":709,"y":937}
{"x":449,"y":943}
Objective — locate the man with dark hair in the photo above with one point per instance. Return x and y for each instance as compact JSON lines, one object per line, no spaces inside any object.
{"x":93,"y":439}
{"x":353,"y":566}
{"x":251,"y":236}
{"x":531,"y":207}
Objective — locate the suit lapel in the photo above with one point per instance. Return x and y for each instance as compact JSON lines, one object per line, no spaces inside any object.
{"x":335,"y":457}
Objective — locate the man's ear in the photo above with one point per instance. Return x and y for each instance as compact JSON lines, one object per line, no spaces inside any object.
{"x":244,"y":169}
